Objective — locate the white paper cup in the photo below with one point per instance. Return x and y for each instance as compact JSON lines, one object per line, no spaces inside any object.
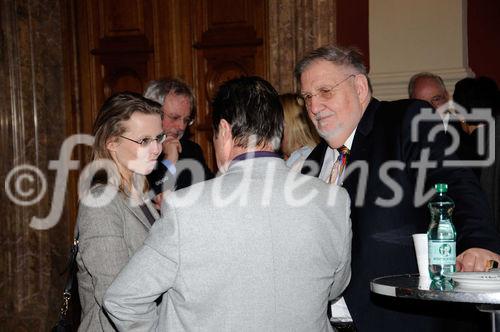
{"x":422,"y":254}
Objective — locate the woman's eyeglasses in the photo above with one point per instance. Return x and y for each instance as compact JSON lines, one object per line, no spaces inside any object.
{"x":146,"y":141}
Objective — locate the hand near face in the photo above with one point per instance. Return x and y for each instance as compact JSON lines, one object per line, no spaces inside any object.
{"x":171,"y":148}
{"x":157,"y":201}
{"x":475,"y":260}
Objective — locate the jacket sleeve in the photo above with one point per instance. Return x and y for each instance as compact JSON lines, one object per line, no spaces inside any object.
{"x":130,"y":301}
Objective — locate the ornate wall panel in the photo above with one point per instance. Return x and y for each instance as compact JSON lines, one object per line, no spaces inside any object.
{"x":295,"y":28}
{"x":116,"y":47}
{"x":33,"y":125}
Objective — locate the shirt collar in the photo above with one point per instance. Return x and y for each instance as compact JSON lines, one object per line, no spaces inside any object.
{"x":348,"y":142}
{"x":331,"y":155}
{"x":254,"y":154}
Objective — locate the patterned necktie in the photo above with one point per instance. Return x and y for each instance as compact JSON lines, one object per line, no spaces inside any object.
{"x":337,"y":175}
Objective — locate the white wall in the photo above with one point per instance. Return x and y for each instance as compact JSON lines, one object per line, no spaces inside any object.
{"x":408,"y":36}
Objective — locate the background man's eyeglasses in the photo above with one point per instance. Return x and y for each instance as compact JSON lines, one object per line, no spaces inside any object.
{"x":146,"y":141}
{"x":174,"y":118}
{"x":437,"y":100}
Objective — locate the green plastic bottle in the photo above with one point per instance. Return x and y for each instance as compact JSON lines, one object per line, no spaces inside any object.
{"x":442,"y":237}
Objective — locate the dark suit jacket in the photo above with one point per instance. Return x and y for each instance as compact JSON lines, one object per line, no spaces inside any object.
{"x":186,"y":175}
{"x":382,"y":243}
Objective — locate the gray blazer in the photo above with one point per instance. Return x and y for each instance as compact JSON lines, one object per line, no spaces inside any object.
{"x":108,"y":236}
{"x":236,"y":253}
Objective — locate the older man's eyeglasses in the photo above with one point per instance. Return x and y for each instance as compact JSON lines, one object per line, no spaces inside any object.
{"x":185,"y":121}
{"x":324,"y":93}
{"x":146,"y":141}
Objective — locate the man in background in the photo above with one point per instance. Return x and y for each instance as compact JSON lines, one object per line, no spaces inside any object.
{"x":429,"y":87}
{"x":179,"y":111}
{"x":258,"y":248}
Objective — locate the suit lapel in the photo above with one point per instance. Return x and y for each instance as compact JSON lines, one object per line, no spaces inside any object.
{"x":361,"y":145}
{"x":151,"y":209}
{"x":316,"y":157}
{"x":137,"y":212}
{"x":361,"y":142}
{"x":365,"y":125}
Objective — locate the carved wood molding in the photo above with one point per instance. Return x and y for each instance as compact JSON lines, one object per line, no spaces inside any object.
{"x":295,"y":28}
{"x":221,"y":73}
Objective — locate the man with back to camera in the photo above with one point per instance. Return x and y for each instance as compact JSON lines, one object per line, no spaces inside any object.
{"x":179,"y":110}
{"x":386,"y":207}
{"x":259,"y":248}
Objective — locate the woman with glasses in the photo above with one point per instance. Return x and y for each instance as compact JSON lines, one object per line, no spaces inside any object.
{"x":115,"y":214}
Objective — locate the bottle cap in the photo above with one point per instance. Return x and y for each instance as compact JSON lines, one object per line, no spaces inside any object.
{"x":441,"y":187}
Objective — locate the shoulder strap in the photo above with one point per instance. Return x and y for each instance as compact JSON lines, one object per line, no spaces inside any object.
{"x":72,"y":267}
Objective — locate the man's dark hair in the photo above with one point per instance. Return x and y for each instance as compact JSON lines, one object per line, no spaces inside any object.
{"x":253,"y":109}
{"x":481,"y":92}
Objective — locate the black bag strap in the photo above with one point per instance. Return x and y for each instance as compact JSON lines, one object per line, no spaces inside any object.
{"x":72,"y":268}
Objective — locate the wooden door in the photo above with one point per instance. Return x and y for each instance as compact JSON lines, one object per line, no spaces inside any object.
{"x":124,"y":44}
{"x":116,"y":50}
{"x":229,"y":41}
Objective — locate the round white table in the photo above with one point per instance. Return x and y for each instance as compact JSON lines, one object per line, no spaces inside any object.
{"x":412,"y":287}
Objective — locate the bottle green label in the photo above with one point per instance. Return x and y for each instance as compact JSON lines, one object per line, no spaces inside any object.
{"x":442,"y":252}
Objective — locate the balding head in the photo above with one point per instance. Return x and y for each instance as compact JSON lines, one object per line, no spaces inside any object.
{"x":428,"y":87}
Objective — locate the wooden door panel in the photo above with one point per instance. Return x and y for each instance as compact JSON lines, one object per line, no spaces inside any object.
{"x":127,"y":63}
{"x":123,"y":78}
{"x":217,"y":67}
{"x":222,"y":13}
{"x":118,"y":44}
{"x":224,"y":23}
{"x":122,"y":18}
{"x":228,"y":43}
{"x":221,"y":69}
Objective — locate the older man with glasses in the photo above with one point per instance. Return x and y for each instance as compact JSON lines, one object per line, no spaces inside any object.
{"x":372,"y":142}
{"x":179,"y":110}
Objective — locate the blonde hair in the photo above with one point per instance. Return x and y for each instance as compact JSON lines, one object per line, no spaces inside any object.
{"x":299,"y":129}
